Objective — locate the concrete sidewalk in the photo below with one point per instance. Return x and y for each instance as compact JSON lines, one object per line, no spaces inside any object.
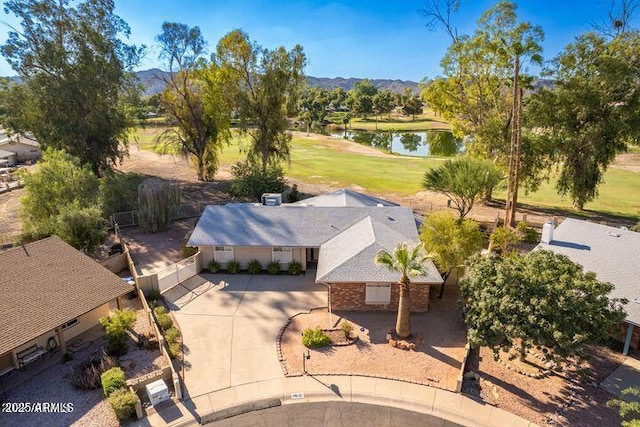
{"x":377,"y":391}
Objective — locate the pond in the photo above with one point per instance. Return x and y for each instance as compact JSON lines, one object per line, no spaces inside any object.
{"x":420,"y":144}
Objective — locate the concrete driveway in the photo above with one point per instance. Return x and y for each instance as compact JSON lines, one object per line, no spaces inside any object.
{"x":230,"y":324}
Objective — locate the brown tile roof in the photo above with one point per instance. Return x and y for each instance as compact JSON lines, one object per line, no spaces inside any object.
{"x":47,"y":284}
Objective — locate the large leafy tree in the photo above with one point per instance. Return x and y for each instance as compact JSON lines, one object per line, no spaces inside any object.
{"x":382,"y":103}
{"x":314,"y":104}
{"x":479,"y":90}
{"x":591,"y":113}
{"x":266,"y":88}
{"x":408,"y":261}
{"x":519,"y":299}
{"x":193,"y":98}
{"x":360,"y":98}
{"x":449,"y":241}
{"x":76,"y":88}
{"x":463,"y":181}
{"x":62,"y":198}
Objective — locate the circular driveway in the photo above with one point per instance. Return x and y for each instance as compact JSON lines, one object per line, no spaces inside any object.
{"x":230,"y":324}
{"x":333,"y":414}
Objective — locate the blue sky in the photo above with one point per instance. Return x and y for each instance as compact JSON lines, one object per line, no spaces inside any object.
{"x":376,"y":39}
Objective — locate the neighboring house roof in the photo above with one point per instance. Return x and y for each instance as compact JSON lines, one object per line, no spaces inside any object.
{"x":344,"y":197}
{"x":46,"y":284}
{"x":6,"y":154}
{"x":6,"y":140}
{"x":612,"y":253}
{"x":349,"y":256}
{"x":290,"y":225}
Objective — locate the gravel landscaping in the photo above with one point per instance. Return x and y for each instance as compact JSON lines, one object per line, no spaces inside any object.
{"x":53,"y":384}
{"x":439,"y":334}
{"x":562,"y":398}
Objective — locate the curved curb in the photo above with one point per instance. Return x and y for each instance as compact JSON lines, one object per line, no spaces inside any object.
{"x":443,"y":404}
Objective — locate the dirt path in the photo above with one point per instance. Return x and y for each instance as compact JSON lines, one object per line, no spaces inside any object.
{"x":10,"y":226}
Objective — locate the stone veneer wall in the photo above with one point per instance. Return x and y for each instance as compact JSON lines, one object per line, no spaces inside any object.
{"x":351,"y":296}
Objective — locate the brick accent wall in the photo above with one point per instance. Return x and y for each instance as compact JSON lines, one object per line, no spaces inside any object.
{"x":351,"y":296}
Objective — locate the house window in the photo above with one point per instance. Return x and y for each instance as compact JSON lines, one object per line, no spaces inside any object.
{"x":69,"y":324}
{"x":223,"y":253}
{"x":282,"y":255}
{"x":378,"y":293}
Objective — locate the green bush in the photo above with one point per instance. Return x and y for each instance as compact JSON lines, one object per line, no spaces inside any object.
{"x":273,"y":267}
{"x":153,"y":295}
{"x":164,"y":321}
{"x":233,"y":267}
{"x":504,"y":238}
{"x":528,"y":234}
{"x":119,"y":192}
{"x":112,"y":380}
{"x":123,"y":401}
{"x":115,"y":327}
{"x":214,"y":266}
{"x":294,"y":194}
{"x":160,"y":310}
{"x":254,"y":267}
{"x":346,"y":328}
{"x":313,"y":338}
{"x":295,"y":268}
{"x":172,"y":335}
{"x":251,"y":181}
{"x":174,"y":350}
{"x":636,"y":227}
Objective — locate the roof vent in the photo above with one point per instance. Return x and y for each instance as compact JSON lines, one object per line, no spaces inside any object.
{"x":380,"y":205}
{"x":623,"y":228}
{"x":271,"y":199}
{"x":614,"y":234}
{"x":547,"y":233}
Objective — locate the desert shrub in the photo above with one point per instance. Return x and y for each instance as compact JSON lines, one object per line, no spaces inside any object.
{"x":346,"y":328}
{"x":160,"y":310}
{"x":233,"y":267}
{"x":294,"y":194}
{"x":164,"y":321}
{"x":250,"y":180}
{"x":254,"y":267}
{"x":273,"y":267}
{"x":112,"y":380}
{"x":214,"y":266}
{"x":171,"y":335}
{"x":528,"y":234}
{"x":295,"y":268}
{"x":504,"y":238}
{"x":123,"y":401}
{"x":153,"y":295}
{"x":86,"y":375}
{"x":636,"y":227}
{"x":312,"y":338}
{"x":115,"y":326}
{"x":188,"y":251}
{"x":174,"y":350}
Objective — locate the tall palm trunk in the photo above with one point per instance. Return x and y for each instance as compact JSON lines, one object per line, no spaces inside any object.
{"x":403,"y":323}
{"x":512,"y":151}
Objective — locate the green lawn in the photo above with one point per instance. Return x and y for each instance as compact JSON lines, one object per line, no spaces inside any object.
{"x":400,"y":123}
{"x":324,"y":160}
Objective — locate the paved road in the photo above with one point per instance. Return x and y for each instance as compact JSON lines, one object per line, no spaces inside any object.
{"x":333,"y":414}
{"x":230,"y":331}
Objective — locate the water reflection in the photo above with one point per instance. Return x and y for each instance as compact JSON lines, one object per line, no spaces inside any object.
{"x":422,"y":144}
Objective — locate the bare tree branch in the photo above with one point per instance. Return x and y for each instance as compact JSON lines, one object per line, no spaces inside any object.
{"x":438,"y":14}
{"x":619,"y":16}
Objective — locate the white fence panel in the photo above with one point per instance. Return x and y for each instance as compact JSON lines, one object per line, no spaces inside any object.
{"x":177,"y":273}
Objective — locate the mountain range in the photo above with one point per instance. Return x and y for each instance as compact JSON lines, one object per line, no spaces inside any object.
{"x":153,"y":82}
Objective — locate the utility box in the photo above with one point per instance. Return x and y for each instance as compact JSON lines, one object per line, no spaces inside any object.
{"x":157,"y":392}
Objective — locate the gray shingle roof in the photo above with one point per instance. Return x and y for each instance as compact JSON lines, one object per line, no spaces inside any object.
{"x":612,"y":253}
{"x":345,"y":197}
{"x":290,"y":225}
{"x":48,"y":285}
{"x":349,"y":256}
{"x":349,"y":236}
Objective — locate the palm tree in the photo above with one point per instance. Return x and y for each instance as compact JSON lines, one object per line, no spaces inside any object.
{"x":409,"y":262}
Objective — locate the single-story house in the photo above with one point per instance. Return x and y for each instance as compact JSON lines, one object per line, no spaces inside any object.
{"x":7,"y":158}
{"x":25,"y":148}
{"x":612,"y":254}
{"x":49,"y":294}
{"x":337,"y":236}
